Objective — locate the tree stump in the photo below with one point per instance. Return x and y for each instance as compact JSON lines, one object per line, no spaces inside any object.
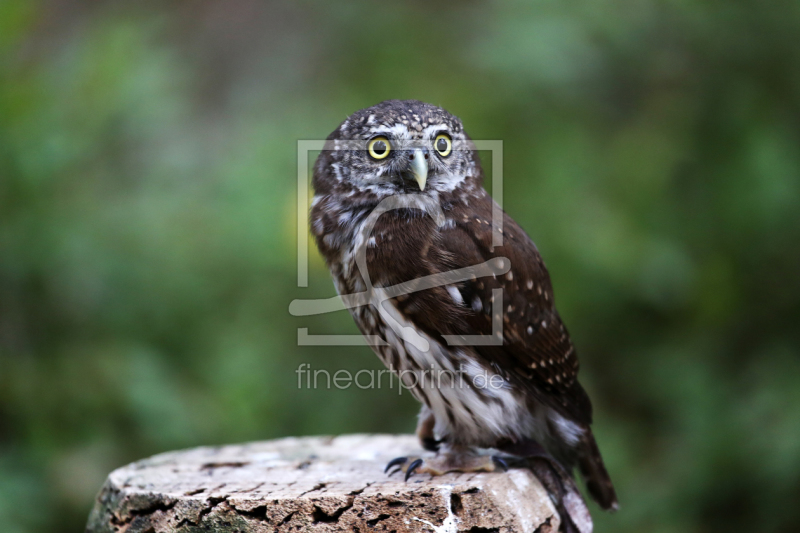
{"x":318,"y":484}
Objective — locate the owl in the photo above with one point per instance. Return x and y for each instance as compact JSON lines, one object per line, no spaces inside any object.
{"x":454,"y":298}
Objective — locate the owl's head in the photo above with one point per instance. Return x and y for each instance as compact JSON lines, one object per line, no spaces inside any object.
{"x":396,"y":147}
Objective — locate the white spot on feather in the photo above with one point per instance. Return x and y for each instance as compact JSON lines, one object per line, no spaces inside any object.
{"x":477,"y":305}
{"x":455,"y":295}
{"x":569,"y":430}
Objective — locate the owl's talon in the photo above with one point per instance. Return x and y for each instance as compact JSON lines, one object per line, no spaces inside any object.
{"x":412,"y":467}
{"x":394,"y":462}
{"x":447,"y":462}
{"x":500,"y":463}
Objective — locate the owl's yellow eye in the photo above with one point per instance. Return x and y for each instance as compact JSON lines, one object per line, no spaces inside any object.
{"x":379,"y":147}
{"x":443,"y":145}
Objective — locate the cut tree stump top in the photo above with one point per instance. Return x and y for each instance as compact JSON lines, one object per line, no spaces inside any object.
{"x":313,"y":484}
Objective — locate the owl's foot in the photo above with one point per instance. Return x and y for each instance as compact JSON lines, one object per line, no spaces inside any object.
{"x":449,"y":462}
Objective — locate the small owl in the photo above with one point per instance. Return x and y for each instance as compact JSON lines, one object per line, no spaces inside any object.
{"x":403,"y":222}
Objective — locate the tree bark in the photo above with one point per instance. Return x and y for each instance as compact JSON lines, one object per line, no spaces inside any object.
{"x":318,"y":484}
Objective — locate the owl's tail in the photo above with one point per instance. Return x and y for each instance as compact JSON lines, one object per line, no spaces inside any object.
{"x":598,"y":482}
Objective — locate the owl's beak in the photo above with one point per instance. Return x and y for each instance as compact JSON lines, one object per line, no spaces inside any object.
{"x":419,"y":167}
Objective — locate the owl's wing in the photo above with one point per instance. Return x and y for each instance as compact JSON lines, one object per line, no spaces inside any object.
{"x":537,"y":352}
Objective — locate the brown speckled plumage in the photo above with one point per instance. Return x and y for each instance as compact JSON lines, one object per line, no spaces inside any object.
{"x":540,"y":399}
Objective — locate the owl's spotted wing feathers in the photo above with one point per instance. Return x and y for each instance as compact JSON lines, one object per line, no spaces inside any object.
{"x":537,"y":352}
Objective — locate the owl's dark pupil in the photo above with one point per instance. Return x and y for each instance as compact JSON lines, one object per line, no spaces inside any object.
{"x":379,"y":147}
{"x":441,"y":145}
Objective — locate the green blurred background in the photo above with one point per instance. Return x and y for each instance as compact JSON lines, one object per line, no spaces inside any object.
{"x":148,"y":248}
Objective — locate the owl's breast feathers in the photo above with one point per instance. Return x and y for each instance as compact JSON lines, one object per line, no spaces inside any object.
{"x":536,"y":357}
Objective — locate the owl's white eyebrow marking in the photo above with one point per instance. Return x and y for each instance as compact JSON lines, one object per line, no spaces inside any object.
{"x":434,"y":128}
{"x":400,"y":131}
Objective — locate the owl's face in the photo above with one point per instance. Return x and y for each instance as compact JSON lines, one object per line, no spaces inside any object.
{"x":397,"y":147}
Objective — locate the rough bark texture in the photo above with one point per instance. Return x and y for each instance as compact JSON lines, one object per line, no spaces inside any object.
{"x":318,"y":484}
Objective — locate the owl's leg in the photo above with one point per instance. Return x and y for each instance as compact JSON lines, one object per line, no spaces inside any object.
{"x":425,"y":433}
{"x":557,"y":480}
{"x":449,"y":459}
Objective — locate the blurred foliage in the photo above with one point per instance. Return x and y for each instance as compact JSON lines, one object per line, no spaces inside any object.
{"x":148,"y":249}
